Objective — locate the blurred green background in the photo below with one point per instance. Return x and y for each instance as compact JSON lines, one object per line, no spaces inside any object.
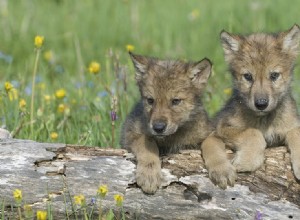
{"x":79,"y":32}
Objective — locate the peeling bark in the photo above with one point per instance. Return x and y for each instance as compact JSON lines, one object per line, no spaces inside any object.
{"x":41,"y":170}
{"x":275,"y":178}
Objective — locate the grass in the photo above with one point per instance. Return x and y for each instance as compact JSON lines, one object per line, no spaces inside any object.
{"x":79,"y":32}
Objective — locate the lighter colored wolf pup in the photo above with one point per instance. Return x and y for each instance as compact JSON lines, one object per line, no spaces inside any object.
{"x":261,"y":111}
{"x":169,"y":116}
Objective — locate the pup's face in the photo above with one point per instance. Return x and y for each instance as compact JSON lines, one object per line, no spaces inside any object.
{"x":262,"y":66}
{"x":170,"y":91}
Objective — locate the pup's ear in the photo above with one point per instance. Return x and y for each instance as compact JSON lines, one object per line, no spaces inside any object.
{"x":140,"y":64}
{"x":230,"y":44}
{"x":200,"y":72}
{"x":291,"y":40}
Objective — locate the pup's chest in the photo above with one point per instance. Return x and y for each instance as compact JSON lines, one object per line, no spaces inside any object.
{"x":274,"y":136}
{"x":175,"y":143}
{"x":275,"y":133}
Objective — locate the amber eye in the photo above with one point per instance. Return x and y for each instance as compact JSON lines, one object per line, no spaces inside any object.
{"x":274,"y":76}
{"x":150,"y":101}
{"x":248,"y":77}
{"x":176,"y":101}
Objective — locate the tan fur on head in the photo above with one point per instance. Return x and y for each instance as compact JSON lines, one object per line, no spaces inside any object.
{"x":291,"y":40}
{"x":262,"y":64}
{"x":169,"y":89}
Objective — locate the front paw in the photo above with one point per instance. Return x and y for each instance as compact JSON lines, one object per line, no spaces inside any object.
{"x":223,"y":174}
{"x":148,"y":177}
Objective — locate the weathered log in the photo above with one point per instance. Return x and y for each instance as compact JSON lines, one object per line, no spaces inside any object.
{"x":58,"y":171}
{"x":275,"y":178}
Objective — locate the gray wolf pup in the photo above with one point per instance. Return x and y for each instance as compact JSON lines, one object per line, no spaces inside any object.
{"x":261,"y":111}
{"x":169,"y":116}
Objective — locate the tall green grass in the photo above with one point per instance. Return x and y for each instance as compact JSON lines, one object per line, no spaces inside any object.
{"x":78,"y":32}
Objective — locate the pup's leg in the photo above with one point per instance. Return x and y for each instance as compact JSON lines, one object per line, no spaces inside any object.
{"x":293,"y":141}
{"x":220,"y":170}
{"x":250,"y":145}
{"x":148,"y":171}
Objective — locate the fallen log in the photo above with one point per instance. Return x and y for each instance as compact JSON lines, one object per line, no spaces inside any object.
{"x":56,"y":172}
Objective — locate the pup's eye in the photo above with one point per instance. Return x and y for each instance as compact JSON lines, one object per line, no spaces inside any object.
{"x":176,"y":101}
{"x":150,"y":101}
{"x":274,"y":76}
{"x":248,"y":77}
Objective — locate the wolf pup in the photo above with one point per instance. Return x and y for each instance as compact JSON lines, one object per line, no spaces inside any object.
{"x":261,"y":111}
{"x":169,"y":116}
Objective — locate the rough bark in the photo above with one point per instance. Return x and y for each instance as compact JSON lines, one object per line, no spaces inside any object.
{"x":275,"y":178}
{"x":58,"y":172}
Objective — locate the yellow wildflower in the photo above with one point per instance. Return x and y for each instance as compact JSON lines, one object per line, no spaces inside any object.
{"x":47,"y":98}
{"x":73,"y":101}
{"x":67,"y":111}
{"x":94,"y":67}
{"x":28,"y":212}
{"x":38,"y":41}
{"x":41,"y":215}
{"x":61,"y":93}
{"x":11,"y":91}
{"x":8,"y":86}
{"x":22,"y":103}
{"x":79,"y":200}
{"x":42,"y":86}
{"x":129,"y":47}
{"x":194,"y":14}
{"x":119,"y":199}
{"x":27,"y":207}
{"x":102,"y":190}
{"x":13,"y":94}
{"x":61,"y":108}
{"x":18,"y":195}
{"x":53,"y":135}
{"x":228,"y":91}
{"x":49,"y":56}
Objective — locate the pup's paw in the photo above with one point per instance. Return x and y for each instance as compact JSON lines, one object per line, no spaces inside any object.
{"x":223,"y":174}
{"x":247,"y":162}
{"x":149,"y":177}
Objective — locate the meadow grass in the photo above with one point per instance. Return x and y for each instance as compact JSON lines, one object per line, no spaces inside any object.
{"x":79,"y":32}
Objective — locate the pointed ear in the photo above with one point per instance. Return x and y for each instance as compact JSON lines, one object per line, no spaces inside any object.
{"x":230,"y":43}
{"x":200,"y":72}
{"x":140,"y":64}
{"x":291,"y":40}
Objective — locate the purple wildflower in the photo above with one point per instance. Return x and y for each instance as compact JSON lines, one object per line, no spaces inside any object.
{"x":113,"y":115}
{"x":93,"y":201}
{"x":258,"y":215}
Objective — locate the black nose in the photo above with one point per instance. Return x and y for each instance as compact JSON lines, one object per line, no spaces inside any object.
{"x":159,"y":126}
{"x":261,"y":104}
